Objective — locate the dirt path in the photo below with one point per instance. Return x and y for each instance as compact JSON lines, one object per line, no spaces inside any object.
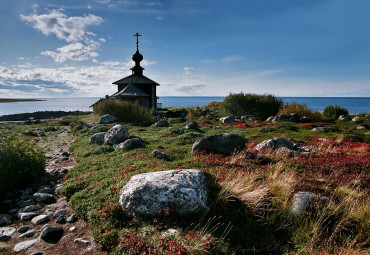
{"x":76,"y":237}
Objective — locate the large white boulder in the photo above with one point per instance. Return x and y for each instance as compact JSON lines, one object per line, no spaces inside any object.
{"x":275,"y":143}
{"x":184,"y":191}
{"x":116,"y":135}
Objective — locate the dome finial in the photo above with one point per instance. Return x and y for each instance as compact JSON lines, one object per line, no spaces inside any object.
{"x":137,"y":41}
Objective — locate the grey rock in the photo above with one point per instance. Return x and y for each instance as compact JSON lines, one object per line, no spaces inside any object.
{"x":308,"y":148}
{"x":271,"y":118}
{"x":27,"y":191}
{"x":44,"y":198}
{"x":178,"y":131}
{"x":24,"y":245}
{"x":159,"y":154}
{"x":27,"y":215}
{"x":23,"y":229}
{"x":356,"y":118}
{"x":61,"y":212}
{"x":98,"y":138}
{"x":27,"y":203}
{"x":41,"y":219}
{"x":184,"y":190}
{"x":48,"y":129}
{"x":72,"y":228}
{"x":344,"y":117}
{"x":38,"y":253}
{"x":30,"y":133}
{"x":284,"y":151}
{"x":247,"y":117}
{"x":116,"y":135}
{"x":49,"y":212}
{"x":131,"y":143}
{"x":28,"y":234}
{"x":58,"y":188}
{"x":5,"y":219}
{"x":80,"y":240}
{"x":51,"y":234}
{"x":275,"y":143}
{"x":162,"y":123}
{"x":302,"y":200}
{"x":293,"y":117}
{"x":72,"y":219}
{"x":7,"y":231}
{"x":222,"y":143}
{"x":227,"y":120}
{"x":61,"y":219}
{"x":263,"y":160}
{"x":191,"y":125}
{"x":306,"y":119}
{"x":29,"y":208}
{"x":107,"y":118}
{"x":362,"y":127}
{"x":79,"y":127}
{"x":322,"y":129}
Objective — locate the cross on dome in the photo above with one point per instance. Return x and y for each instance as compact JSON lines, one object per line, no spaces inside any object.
{"x":137,"y":41}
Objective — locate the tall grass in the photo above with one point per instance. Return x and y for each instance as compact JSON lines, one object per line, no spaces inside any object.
{"x":125,"y":112}
{"x":301,"y":110}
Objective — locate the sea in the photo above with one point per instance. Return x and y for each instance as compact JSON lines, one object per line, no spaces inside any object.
{"x":354,"y":105}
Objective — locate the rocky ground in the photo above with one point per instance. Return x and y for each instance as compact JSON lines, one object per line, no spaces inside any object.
{"x":42,"y":221}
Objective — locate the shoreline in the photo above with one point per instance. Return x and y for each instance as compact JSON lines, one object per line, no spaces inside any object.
{"x":40,"y":115}
{"x":15,"y":100}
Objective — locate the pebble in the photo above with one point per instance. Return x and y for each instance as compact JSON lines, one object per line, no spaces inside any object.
{"x":29,"y":233}
{"x":60,"y":213}
{"x":73,"y":218}
{"x":80,"y":240}
{"x":61,"y":219}
{"x":27,"y":216}
{"x":41,"y":219}
{"x":24,"y":245}
{"x":23,"y":229}
{"x":72,"y":228}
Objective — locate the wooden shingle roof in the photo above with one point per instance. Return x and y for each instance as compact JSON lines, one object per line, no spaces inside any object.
{"x":136,"y":79}
{"x":131,"y":90}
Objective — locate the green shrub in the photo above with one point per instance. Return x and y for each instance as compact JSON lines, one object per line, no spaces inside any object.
{"x":21,"y":161}
{"x":261,"y":106}
{"x":194,"y":113}
{"x":301,"y":110}
{"x":125,"y":112}
{"x":333,"y":112}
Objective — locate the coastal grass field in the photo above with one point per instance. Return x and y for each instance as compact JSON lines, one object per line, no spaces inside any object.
{"x":250,"y":201}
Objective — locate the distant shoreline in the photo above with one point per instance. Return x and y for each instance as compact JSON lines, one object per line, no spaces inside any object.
{"x":14,"y":100}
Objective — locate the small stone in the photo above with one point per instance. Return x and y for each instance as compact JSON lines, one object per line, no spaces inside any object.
{"x":29,"y":233}
{"x":61,"y":220}
{"x":162,"y":123}
{"x":38,"y":253}
{"x":191,"y":125}
{"x":302,"y":200}
{"x":227,"y":120}
{"x":30,"y":208}
{"x":27,"y":216}
{"x":72,"y":228}
{"x":7,"y":231}
{"x":44,"y":198}
{"x":98,"y":138}
{"x":159,"y":154}
{"x":27,"y":203}
{"x":24,"y":245}
{"x":5,"y":238}
{"x":46,"y":189}
{"x":5,"y":219}
{"x":49,"y":212}
{"x":72,"y":219}
{"x":51,"y":234}
{"x":80,"y":240}
{"x":23,"y":229}
{"x":61,"y":212}
{"x":41,"y":219}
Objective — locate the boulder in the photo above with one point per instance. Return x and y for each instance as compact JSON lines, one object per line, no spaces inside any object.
{"x":98,"y":138}
{"x":191,"y":125}
{"x":293,"y":117}
{"x":362,"y":127}
{"x":247,"y":117}
{"x":24,"y":245}
{"x":344,"y":117}
{"x":356,"y":118}
{"x":72,"y":219}
{"x":78,"y":127}
{"x":271,"y":118}
{"x":184,"y":191}
{"x":51,"y":234}
{"x":5,"y":219}
{"x":46,"y":189}
{"x":286,"y":152}
{"x":27,"y":215}
{"x":227,"y":120}
{"x":275,"y":143}
{"x":322,"y":129}
{"x":302,"y":200}
{"x":44,"y":198}
{"x":222,"y":143}
{"x":23,"y":229}
{"x":306,"y":119}
{"x":29,"y":208}
{"x":61,"y":220}
{"x":30,"y":133}
{"x":162,"y":123}
{"x":116,"y":135}
{"x":7,"y":231}
{"x":159,"y":154}
{"x":107,"y":118}
{"x":60,"y":212}
{"x":131,"y":143}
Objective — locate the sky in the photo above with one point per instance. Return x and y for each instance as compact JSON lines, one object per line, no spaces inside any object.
{"x":78,"y":48}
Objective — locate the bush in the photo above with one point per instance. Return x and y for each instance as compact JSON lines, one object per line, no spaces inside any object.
{"x":261,"y":106}
{"x":21,"y":162}
{"x":301,"y":110}
{"x":333,"y":112}
{"x":125,"y":112}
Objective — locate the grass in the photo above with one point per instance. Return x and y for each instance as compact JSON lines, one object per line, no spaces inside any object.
{"x":249,"y":202}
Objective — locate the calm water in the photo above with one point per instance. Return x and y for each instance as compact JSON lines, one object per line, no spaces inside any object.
{"x":352,"y":104}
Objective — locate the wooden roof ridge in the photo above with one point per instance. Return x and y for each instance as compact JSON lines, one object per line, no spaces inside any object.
{"x":136,"y":79}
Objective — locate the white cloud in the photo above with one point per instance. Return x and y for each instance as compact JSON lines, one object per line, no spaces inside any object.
{"x":231,"y":58}
{"x":188,"y":70}
{"x":74,"y":51}
{"x":70,"y":29}
{"x":159,"y":18}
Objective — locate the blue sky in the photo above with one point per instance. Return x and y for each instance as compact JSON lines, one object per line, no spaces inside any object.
{"x":77,"y":48}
